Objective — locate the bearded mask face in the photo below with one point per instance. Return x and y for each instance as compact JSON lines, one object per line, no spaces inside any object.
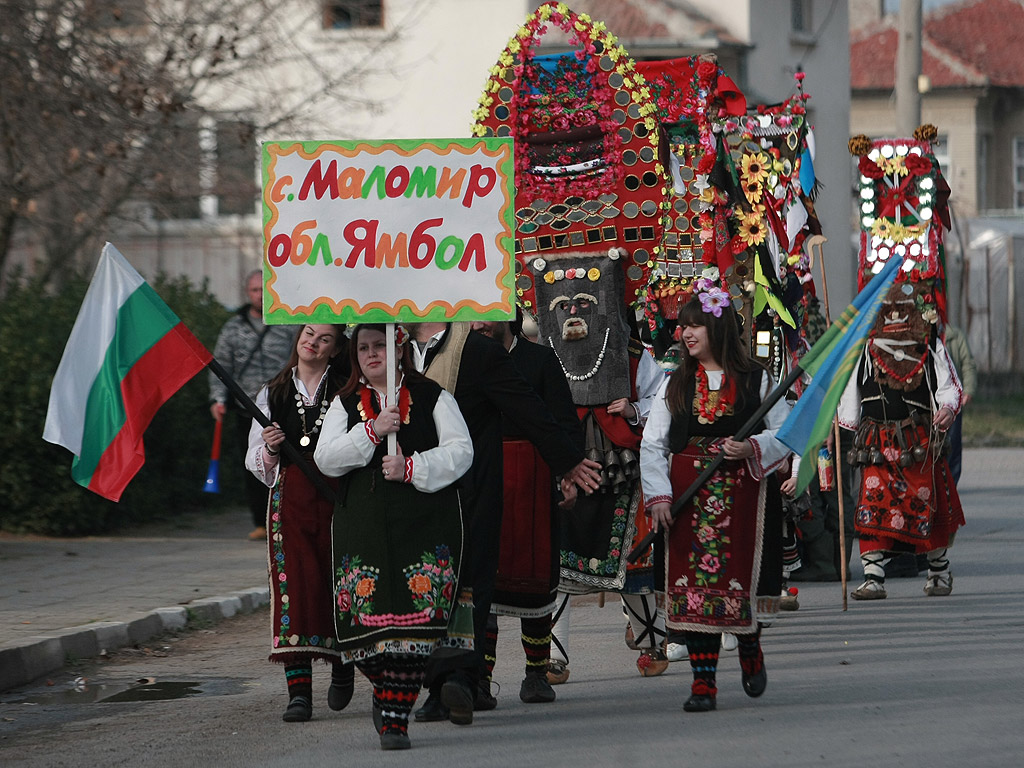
{"x":581,"y":314}
{"x":899,"y":338}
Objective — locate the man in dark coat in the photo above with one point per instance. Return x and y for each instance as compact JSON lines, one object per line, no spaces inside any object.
{"x":527,"y":580}
{"x":487,"y":386}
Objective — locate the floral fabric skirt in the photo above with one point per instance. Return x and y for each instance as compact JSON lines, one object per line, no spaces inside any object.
{"x":713,"y":549}
{"x":916,"y":504}
{"x":299,"y":542}
{"x":397,"y":559}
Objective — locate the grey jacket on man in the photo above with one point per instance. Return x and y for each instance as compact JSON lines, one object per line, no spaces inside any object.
{"x":251,"y":352}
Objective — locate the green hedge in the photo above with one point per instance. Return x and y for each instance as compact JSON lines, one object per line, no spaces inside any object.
{"x":37,"y":494}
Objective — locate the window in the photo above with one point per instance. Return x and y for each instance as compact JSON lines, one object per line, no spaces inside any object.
{"x":1018,"y":173}
{"x":800,"y":15}
{"x":983,"y":151}
{"x":940,"y":148}
{"x":208,"y":170}
{"x":353,"y":14}
{"x":236,"y":159}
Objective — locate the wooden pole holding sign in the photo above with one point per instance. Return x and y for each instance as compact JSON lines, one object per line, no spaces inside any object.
{"x":389,"y":333}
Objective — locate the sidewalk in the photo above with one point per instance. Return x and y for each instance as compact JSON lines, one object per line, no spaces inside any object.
{"x":79,"y":597}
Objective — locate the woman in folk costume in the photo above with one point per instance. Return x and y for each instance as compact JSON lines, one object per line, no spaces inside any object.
{"x":713,"y":548}
{"x":902,"y":398}
{"x":397,"y":526}
{"x":299,"y":517}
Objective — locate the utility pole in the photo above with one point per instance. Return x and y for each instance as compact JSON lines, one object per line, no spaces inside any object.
{"x":908,"y":68}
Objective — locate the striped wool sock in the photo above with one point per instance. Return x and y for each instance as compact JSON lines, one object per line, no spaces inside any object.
{"x":536,"y":639}
{"x":300,"y":680}
{"x":401,"y":680}
{"x":491,"y":644}
{"x":751,"y":657}
{"x":703,"y":648}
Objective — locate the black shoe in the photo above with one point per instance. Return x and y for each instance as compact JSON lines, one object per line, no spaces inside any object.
{"x":458,"y":697}
{"x":395,"y":740}
{"x":299,"y":710}
{"x":699,"y":704}
{"x":755,"y":684}
{"x":339,"y":694}
{"x":484,"y":701}
{"x":432,"y":711}
{"x":536,"y":690}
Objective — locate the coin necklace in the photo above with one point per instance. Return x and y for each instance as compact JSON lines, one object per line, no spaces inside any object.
{"x":307,"y":433}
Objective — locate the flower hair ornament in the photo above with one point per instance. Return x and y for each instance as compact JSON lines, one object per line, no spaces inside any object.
{"x":712,"y":298}
{"x":401,"y":335}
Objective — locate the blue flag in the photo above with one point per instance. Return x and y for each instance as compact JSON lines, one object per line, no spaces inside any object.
{"x":830,"y":363}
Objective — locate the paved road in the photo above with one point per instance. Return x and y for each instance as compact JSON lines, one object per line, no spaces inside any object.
{"x":910,"y":680}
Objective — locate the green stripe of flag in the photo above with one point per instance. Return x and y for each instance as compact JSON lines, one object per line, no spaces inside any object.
{"x":142,"y":320}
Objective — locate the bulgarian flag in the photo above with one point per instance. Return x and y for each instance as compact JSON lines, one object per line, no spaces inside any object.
{"x":127,"y":354}
{"x":831,"y":362}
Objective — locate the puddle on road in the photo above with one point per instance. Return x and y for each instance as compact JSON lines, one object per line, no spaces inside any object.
{"x":146,"y":689}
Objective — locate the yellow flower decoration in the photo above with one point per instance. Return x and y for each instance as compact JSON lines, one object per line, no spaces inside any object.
{"x":752,"y":191}
{"x":754,"y":167}
{"x":478,"y":130}
{"x":549,"y":278}
{"x":505,"y":59}
{"x":562,"y":8}
{"x":894,"y":164}
{"x":881,"y":228}
{"x":594,"y":273}
{"x":751,"y":230}
{"x":513,"y":45}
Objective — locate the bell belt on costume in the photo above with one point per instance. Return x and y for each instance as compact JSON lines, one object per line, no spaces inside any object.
{"x":913,"y":438}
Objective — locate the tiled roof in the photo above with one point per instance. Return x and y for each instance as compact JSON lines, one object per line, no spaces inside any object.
{"x":970,"y":43}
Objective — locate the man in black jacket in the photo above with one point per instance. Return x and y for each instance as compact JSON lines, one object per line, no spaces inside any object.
{"x":487,"y":386}
{"x":527,"y":579}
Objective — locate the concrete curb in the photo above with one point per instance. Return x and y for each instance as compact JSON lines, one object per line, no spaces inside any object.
{"x":26,"y":660}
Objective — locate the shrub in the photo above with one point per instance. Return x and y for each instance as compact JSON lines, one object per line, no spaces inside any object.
{"x":38,"y":493}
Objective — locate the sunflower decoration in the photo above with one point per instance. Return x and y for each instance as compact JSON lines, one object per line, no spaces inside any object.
{"x":752,"y":191}
{"x":751,"y":229}
{"x":754,"y":168}
{"x":882,"y":228}
{"x":895,"y":165}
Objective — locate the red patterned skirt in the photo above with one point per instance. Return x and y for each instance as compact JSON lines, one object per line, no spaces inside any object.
{"x":916,"y":505}
{"x":528,"y":564}
{"x":713,"y":550}
{"x":301,"y":597}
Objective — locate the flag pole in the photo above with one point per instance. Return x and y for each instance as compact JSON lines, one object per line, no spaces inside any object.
{"x":819,"y":241}
{"x":742,"y":434}
{"x":287,"y":448}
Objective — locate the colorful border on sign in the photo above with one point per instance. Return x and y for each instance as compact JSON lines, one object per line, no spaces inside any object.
{"x":324,"y":309}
